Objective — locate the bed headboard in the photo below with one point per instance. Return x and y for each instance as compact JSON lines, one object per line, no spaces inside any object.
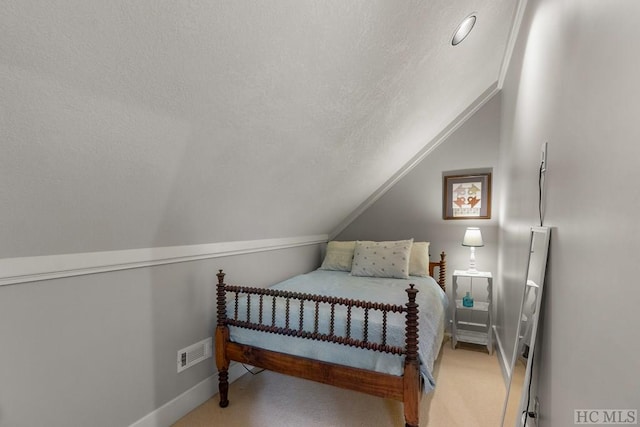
{"x":442,"y":270}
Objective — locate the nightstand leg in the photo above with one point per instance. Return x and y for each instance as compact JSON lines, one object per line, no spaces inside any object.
{"x":454,"y":329}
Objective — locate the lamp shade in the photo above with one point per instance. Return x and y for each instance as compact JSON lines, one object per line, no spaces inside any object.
{"x":472,"y":237}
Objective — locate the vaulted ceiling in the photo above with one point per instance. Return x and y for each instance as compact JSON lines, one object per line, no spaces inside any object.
{"x":156,"y":123}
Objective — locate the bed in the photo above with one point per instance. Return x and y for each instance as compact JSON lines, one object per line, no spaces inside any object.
{"x":342,"y":324}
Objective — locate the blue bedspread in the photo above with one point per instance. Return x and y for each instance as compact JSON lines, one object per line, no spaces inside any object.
{"x":432,"y":305}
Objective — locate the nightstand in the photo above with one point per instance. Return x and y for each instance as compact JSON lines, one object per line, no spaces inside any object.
{"x":478,"y":330}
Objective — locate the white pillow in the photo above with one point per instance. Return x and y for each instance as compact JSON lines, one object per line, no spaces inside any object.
{"x":339,"y":256}
{"x":382,"y":259}
{"x":419,"y":261}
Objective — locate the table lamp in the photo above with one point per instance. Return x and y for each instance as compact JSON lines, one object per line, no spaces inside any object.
{"x":472,"y":239}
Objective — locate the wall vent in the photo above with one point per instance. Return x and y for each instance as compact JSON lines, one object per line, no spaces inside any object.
{"x":189,"y":356}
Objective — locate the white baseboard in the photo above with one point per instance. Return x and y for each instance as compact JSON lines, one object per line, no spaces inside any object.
{"x":172,"y":411}
{"x":503,"y":359}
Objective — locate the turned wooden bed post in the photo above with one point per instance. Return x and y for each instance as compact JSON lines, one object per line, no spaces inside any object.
{"x":442,"y":270}
{"x":411,"y":363}
{"x":222,"y":336}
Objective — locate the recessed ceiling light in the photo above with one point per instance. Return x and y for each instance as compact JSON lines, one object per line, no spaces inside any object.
{"x":463,"y":29}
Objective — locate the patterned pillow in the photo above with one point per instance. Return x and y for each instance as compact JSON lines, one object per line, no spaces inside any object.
{"x":419,"y":261}
{"x":339,"y":256}
{"x":382,"y":259}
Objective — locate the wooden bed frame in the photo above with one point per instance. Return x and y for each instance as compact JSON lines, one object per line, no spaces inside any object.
{"x":405,"y":388}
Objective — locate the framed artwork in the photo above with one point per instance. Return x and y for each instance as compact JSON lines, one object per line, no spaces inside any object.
{"x":467,"y":196}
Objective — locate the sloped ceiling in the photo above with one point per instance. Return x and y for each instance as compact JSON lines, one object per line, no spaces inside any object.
{"x":128,"y":124}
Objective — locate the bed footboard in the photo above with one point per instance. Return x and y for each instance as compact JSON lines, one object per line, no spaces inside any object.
{"x":405,"y":388}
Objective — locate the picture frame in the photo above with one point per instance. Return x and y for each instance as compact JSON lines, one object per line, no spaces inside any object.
{"x":466,"y":196}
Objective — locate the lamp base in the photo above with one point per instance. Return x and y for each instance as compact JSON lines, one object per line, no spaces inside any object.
{"x":472,"y":262}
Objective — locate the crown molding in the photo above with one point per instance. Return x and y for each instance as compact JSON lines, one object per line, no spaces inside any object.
{"x":518,"y":14}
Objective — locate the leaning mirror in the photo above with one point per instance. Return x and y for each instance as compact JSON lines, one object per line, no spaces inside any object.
{"x":515,"y":405}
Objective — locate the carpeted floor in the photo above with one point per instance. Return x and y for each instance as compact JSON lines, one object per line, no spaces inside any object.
{"x":470,"y":392}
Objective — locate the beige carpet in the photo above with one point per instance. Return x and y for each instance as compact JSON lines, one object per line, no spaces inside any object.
{"x":469,"y":392}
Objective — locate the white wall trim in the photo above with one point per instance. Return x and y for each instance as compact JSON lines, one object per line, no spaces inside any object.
{"x":428,"y":148}
{"x":31,"y":269}
{"x":503,"y":359}
{"x":518,"y":14}
{"x":186,"y":402}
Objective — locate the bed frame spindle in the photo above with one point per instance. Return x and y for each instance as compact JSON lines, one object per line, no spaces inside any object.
{"x":301,"y":314}
{"x":365,"y":326}
{"x":333,"y":320}
{"x":286,"y":323}
{"x":316,"y":320}
{"x":273,"y":312}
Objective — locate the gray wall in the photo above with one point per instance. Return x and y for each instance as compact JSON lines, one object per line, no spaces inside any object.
{"x":100,"y":350}
{"x":573,"y":81}
{"x":413,"y":206}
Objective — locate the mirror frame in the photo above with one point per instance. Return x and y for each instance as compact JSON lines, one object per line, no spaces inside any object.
{"x":523,"y":398}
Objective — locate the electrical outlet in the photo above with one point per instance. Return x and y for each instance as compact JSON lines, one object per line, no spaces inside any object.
{"x":543,"y":158}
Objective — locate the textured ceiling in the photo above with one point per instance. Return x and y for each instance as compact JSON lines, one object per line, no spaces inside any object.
{"x":155,"y":123}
